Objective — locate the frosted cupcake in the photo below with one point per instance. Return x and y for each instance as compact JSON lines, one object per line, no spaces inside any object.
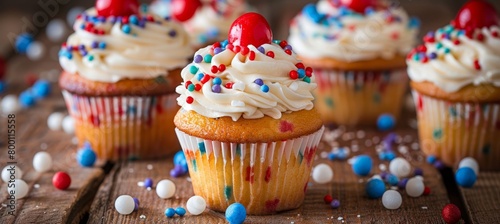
{"x":120,"y":73}
{"x":247,"y":124}
{"x":456,"y":86}
{"x":206,"y":21}
{"x":357,"y":49}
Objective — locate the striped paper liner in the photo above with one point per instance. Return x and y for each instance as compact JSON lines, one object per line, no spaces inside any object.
{"x":359,"y":97}
{"x":264,"y":177}
{"x":452,"y":131}
{"x":125,"y":127}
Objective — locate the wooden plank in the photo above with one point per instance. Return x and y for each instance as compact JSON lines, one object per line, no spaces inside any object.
{"x":481,"y":201}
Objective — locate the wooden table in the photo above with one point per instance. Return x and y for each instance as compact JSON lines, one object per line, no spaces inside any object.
{"x":91,"y":196}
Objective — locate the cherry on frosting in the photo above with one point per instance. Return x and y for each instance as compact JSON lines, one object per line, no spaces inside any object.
{"x":184,"y":10}
{"x":476,"y":14}
{"x":358,"y":6}
{"x":117,"y":7}
{"x":250,"y":29}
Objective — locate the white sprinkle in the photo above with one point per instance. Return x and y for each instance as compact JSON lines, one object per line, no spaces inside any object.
{"x":415,"y":146}
{"x":398,"y":139}
{"x":354,"y":148}
{"x":394,"y":188}
{"x":424,"y":207}
{"x":323,"y":154}
{"x":376,"y":139}
{"x":340,"y":218}
{"x":36,"y":186}
{"x":140,"y":184}
{"x":360,"y":134}
{"x":142,"y":217}
{"x":149,"y":188}
{"x":359,"y":216}
{"x":74,"y":140}
{"x":403,"y":149}
{"x":188,"y":179}
{"x":149,"y":167}
{"x":239,"y":86}
{"x":382,"y":167}
{"x":237,"y":103}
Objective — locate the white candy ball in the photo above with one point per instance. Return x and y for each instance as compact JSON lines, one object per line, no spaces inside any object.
{"x":165,"y":189}
{"x":419,"y":177}
{"x":11,"y":170}
{"x":471,"y":163}
{"x":415,"y":187}
{"x":10,"y":104}
{"x":55,"y":121}
{"x":124,"y":204}
{"x":400,"y":167}
{"x":322,"y":173}
{"x":35,"y":50}
{"x":392,"y":199}
{"x":68,"y":124}
{"x":42,"y":162}
{"x":56,"y":30}
{"x":19,"y":187}
{"x":72,"y":14}
{"x":196,"y":205}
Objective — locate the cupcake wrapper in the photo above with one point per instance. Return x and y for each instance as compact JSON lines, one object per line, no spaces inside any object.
{"x":454,"y":130}
{"x":125,"y":127}
{"x":359,"y":97}
{"x":265,"y":177}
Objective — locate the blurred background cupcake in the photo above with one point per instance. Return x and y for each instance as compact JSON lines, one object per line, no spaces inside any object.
{"x":121,"y":67}
{"x":456,"y":86}
{"x":357,"y":49}
{"x":206,"y":21}
{"x":247,"y":124}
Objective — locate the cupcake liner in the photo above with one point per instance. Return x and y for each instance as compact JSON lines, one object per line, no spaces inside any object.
{"x":125,"y":127}
{"x":452,"y":131}
{"x":359,"y":97}
{"x":264,"y":177}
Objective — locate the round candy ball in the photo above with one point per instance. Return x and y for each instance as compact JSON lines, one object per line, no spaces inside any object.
{"x":386,"y":122}
{"x":20,"y":187}
{"x":236,"y":213}
{"x":400,"y":167}
{"x":471,"y":163}
{"x":68,"y":125}
{"x":124,"y":204}
{"x":465,"y":177}
{"x":10,"y":104}
{"x":148,"y":182}
{"x":56,"y":30}
{"x":23,"y":41}
{"x":169,"y":212}
{"x":27,"y":99}
{"x":165,"y":189}
{"x":196,"y":205}
{"x":392,"y":199}
{"x":451,"y":213}
{"x":72,"y":14}
{"x":392,"y":179}
{"x":322,"y":173}
{"x":362,"y":165}
{"x":180,"y":211}
{"x":35,"y":51}
{"x":11,"y":172}
{"x":375,"y":188}
{"x":41,"y":88}
{"x":86,"y":157}
{"x":42,"y":162}
{"x":55,"y":121}
{"x":415,"y":187}
{"x":335,"y":203}
{"x":61,"y":180}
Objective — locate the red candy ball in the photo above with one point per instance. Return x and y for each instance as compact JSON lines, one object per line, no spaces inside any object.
{"x":328,"y":199}
{"x":117,"y":7}
{"x":476,"y":14}
{"x":184,"y":10}
{"x":451,"y":213}
{"x":358,"y":6}
{"x":250,"y":29}
{"x":61,"y":180}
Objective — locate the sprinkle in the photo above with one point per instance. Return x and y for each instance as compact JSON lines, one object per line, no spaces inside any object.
{"x":289,"y":52}
{"x":172,"y":33}
{"x":222,"y":67}
{"x":216,"y":89}
{"x":251,"y":57}
{"x":477,"y":66}
{"x":205,"y":79}
{"x":261,"y":49}
{"x":214,"y":69}
{"x":480,"y":37}
{"x":307,"y":79}
{"x":237,"y":49}
{"x":270,"y":54}
{"x":302,"y":73}
{"x":439,"y":45}
{"x":189,"y":100}
{"x":230,"y":47}
{"x":294,"y":74}
{"x":90,"y":57}
{"x":187,"y":84}
{"x":433,"y":55}
{"x":494,"y":34}
{"x":124,"y":20}
{"x":229,"y":85}
{"x":300,"y":65}
{"x":244,"y":50}
{"x":170,"y":212}
{"x":197,"y":87}
{"x":207,"y":58}
{"x":150,"y":18}
{"x":283,"y":43}
{"x":335,"y":204}
{"x":200,"y":76}
{"x":288,"y":47}
{"x":217,"y":81}
{"x":277,"y":41}
{"x":259,"y":82}
{"x":264,"y":88}
{"x":190,"y":88}
{"x":102,"y":45}
{"x":193,"y":69}
{"x":217,"y":50}
{"x":309,"y":71}
{"x":447,"y":50}
{"x":198,"y":58}
{"x":133,"y":19}
{"x":126,"y":29}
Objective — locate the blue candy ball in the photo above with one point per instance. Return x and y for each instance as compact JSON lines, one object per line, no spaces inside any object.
{"x":86,"y":157}
{"x":466,"y":177}
{"x":375,"y":188}
{"x":180,"y":211}
{"x":27,"y":99}
{"x":362,"y":165}
{"x":236,"y":213}
{"x":331,"y":156}
{"x":23,"y":41}
{"x":386,"y":122}
{"x":3,"y":86}
{"x":170,"y":212}
{"x":431,"y":159}
{"x":41,"y":88}
{"x":180,"y":159}
{"x":392,"y":179}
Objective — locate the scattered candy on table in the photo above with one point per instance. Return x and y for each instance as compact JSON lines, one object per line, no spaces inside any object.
{"x":322,"y":173}
{"x":10,"y":104}
{"x":3,"y":86}
{"x":165,"y":189}
{"x":400,"y":167}
{"x":375,"y":188}
{"x":340,"y":154}
{"x":86,"y":157}
{"x":11,"y":170}
{"x":56,"y":30}
{"x":392,"y":179}
{"x":27,"y":99}
{"x":180,"y":211}
{"x":451,"y":213}
{"x":392,"y":199}
{"x":471,"y":163}
{"x":386,"y":122}
{"x":169,"y":212}
{"x":23,"y":41}
{"x":180,"y":165}
{"x":54,"y":121}
{"x":465,"y":177}
{"x":236,"y":213}
{"x":415,"y":187}
{"x":41,"y":88}
{"x":327,"y":199}
{"x":196,"y":205}
{"x":362,"y":165}
{"x":35,"y":51}
{"x":136,"y":204}
{"x":42,"y":162}
{"x":124,"y":204}
{"x":19,"y":187}
{"x":61,"y":180}
{"x":68,"y":124}
{"x":148,"y":183}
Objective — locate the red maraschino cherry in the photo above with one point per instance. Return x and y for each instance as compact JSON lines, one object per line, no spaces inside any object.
{"x":117,"y":7}
{"x":476,"y":14}
{"x":358,"y":6}
{"x":184,"y":10}
{"x":250,"y":29}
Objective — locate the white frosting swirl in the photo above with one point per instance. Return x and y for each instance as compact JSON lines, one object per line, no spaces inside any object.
{"x":456,"y":69}
{"x":142,"y":54}
{"x":246,"y":99}
{"x":353,"y":37}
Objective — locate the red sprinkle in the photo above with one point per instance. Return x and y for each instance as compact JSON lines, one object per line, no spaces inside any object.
{"x":187,"y":84}
{"x":222,"y":67}
{"x":237,"y":49}
{"x":477,"y":66}
{"x":422,"y":48}
{"x":300,"y":65}
{"x":204,"y":80}
{"x":244,"y":50}
{"x":429,"y":39}
{"x":283,"y":43}
{"x":189,"y":100}
{"x":197,"y":87}
{"x":480,"y":37}
{"x":270,"y":54}
{"x":288,"y":51}
{"x":125,"y":20}
{"x":150,"y":18}
{"x":425,"y":60}
{"x":427,"y":190}
{"x":494,"y":34}
{"x":395,"y":35}
{"x":89,"y":26}
{"x":251,"y":56}
{"x":229,"y":85}
{"x":214,"y":69}
{"x":328,"y":199}
{"x":456,"y":42}
{"x":100,"y":32}
{"x":294,"y":74}
{"x":230,"y":47}
{"x":309,"y":71}
{"x":216,"y":44}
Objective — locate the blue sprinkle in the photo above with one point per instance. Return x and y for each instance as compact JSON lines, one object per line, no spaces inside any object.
{"x":277,"y":41}
{"x":335,"y":203}
{"x":101,"y":19}
{"x":217,"y":50}
{"x":433,"y":55}
{"x":288,"y":47}
{"x":167,"y":18}
{"x":392,"y":179}
{"x":216,"y":89}
{"x":264,"y":88}
{"x":102,"y":45}
{"x":414,"y":22}
{"x":259,"y":82}
{"x":431,"y":159}
{"x":23,"y":41}
{"x":386,"y":122}
{"x":217,"y":81}
{"x":180,"y":159}
{"x":200,"y":76}
{"x":86,"y":157}
{"x":224,"y":43}
{"x":133,"y":19}
{"x":236,"y":213}
{"x":81,"y":47}
{"x":341,"y":153}
{"x":170,"y":212}
{"x":311,"y":11}
{"x":302,"y":73}
{"x":94,"y":44}
{"x":172,"y":33}
{"x":2,"y":86}
{"x":126,"y":29}
{"x":148,"y":183}
{"x":83,"y":53}
{"x":362,"y":165}
{"x":41,"y":88}
{"x":261,"y":50}
{"x":136,"y":204}
{"x":180,"y":211}
{"x":375,"y":188}
{"x":465,"y":177}
{"x":332,"y":156}
{"x":369,"y":10}
{"x":198,"y":58}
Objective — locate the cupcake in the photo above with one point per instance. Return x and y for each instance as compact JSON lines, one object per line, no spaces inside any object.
{"x":357,"y":49}
{"x":121,"y":68}
{"x":247,"y":126}
{"x":206,"y":21}
{"x":455,"y":77}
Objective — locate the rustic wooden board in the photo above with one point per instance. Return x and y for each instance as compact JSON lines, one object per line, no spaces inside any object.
{"x":482,"y":200}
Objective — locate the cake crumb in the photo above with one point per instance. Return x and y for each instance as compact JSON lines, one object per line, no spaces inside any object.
{"x":424,"y":207}
{"x":149,"y":167}
{"x":359,"y":216}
